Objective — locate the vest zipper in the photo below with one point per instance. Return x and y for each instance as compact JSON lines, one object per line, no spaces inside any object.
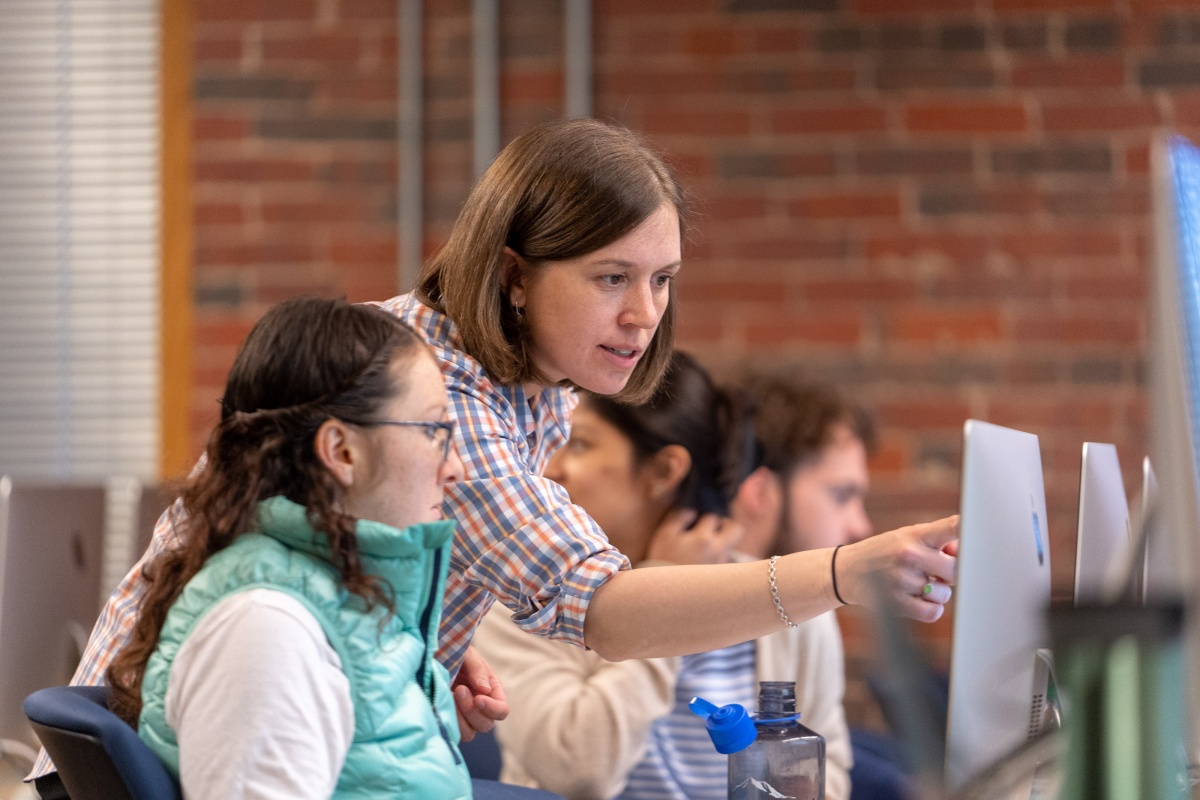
{"x":424,"y":674}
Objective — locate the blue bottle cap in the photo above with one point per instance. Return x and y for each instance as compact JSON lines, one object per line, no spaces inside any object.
{"x":730,"y":727}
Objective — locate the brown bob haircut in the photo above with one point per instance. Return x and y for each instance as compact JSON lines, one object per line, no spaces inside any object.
{"x":559,"y":191}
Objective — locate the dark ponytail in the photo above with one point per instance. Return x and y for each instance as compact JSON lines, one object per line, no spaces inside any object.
{"x":689,"y":410}
{"x":307,"y":360}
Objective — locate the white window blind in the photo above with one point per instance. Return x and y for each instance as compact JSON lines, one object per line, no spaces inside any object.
{"x":79,"y":209}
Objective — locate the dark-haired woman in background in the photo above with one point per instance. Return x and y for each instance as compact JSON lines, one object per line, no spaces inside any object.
{"x":658,"y":479}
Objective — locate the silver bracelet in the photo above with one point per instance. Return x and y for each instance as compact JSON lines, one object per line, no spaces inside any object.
{"x":775,"y":593}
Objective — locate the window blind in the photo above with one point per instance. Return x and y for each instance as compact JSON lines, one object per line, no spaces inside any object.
{"x":79,"y":260}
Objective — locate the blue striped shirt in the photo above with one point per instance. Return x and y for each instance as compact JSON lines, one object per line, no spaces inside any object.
{"x":680,"y":762}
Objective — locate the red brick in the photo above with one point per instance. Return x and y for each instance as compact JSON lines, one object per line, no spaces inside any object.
{"x":618,"y":8}
{"x":692,"y":330}
{"x":661,"y":81}
{"x":1103,"y":116}
{"x":1137,"y":158}
{"x":710,"y":42}
{"x":890,"y":7}
{"x":291,"y":251}
{"x":859,"y":289}
{"x":706,"y":123}
{"x":966,"y":118}
{"x":891,"y":458}
{"x":846,"y":206}
{"x":542,"y":86}
{"x":252,"y":170}
{"x":959,"y":246}
{"x":224,"y":333}
{"x":1062,"y":242}
{"x":843,"y":119}
{"x":1078,"y":328}
{"x":733,"y":291}
{"x":806,"y":328}
{"x":918,"y":414}
{"x":219,"y":126}
{"x":1068,"y":410}
{"x":255,"y":10}
{"x":383,"y":10}
{"x":1187,"y":108}
{"x":217,"y":214}
{"x":330,"y":48}
{"x":363,"y":250}
{"x":791,"y":248}
{"x":1072,"y":73}
{"x":307,"y":211}
{"x":777,"y":40}
{"x":934,"y":325}
{"x":1003,"y":6}
{"x":1112,"y":287}
{"x":217,"y":49}
{"x":728,"y":207}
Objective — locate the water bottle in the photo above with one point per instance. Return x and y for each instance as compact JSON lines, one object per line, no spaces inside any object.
{"x":771,"y":755}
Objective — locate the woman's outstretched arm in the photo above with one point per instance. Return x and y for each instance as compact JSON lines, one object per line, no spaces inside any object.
{"x":691,"y":609}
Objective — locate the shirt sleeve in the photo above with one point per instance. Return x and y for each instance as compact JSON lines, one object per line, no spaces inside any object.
{"x":578,"y":724}
{"x":259,"y":703}
{"x":520,"y":538}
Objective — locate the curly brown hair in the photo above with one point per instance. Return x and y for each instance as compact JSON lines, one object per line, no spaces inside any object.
{"x":306,"y":361}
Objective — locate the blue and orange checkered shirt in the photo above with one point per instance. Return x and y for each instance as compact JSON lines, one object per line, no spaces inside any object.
{"x":519,"y":539}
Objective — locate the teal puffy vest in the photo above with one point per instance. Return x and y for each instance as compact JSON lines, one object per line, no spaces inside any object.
{"x":405,"y":730}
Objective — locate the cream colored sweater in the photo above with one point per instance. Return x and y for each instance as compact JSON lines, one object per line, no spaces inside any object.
{"x":578,"y":724}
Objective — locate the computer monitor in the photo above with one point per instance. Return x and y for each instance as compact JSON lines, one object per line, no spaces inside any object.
{"x":51,"y":553}
{"x":997,"y":680}
{"x":1103,"y":537}
{"x":1174,"y":369}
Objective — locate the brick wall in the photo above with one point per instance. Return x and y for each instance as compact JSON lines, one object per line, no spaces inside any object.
{"x":942,"y":205}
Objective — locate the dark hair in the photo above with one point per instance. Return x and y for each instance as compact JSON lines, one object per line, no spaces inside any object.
{"x":689,"y":410}
{"x":795,"y":421}
{"x":306,"y":361}
{"x":559,"y":191}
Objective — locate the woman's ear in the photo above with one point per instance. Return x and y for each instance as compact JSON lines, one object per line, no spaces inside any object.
{"x":339,"y":451}
{"x":666,"y":469}
{"x":760,"y":496}
{"x":512,"y":276}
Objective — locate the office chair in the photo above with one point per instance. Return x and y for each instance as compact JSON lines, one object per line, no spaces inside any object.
{"x":98,"y":756}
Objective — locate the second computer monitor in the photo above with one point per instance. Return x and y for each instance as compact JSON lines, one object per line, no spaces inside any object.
{"x":51,"y":549}
{"x":1102,"y":549}
{"x":997,"y":691}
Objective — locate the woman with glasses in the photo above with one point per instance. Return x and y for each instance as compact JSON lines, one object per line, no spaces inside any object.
{"x":284,"y":645}
{"x":558,"y":274}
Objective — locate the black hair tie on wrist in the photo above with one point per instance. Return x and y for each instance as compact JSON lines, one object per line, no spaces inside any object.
{"x":833,"y":574}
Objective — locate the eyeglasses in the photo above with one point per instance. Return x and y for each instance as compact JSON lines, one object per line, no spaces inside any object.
{"x":440,"y":434}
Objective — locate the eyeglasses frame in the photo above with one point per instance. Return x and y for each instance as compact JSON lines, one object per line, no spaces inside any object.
{"x":447,"y":425}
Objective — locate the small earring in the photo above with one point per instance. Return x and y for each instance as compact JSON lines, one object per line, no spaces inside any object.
{"x":518,"y":311}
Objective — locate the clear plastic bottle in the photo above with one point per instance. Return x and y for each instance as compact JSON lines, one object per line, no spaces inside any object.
{"x":786,"y":760}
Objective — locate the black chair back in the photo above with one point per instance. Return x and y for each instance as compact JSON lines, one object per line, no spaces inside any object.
{"x":97,"y":755}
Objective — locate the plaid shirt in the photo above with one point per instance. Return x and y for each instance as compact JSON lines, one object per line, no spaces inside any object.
{"x":519,"y":540}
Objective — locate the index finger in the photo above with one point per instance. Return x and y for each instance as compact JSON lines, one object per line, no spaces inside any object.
{"x":939,"y":533}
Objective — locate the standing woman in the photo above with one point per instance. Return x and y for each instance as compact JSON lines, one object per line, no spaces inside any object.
{"x":558,"y":273}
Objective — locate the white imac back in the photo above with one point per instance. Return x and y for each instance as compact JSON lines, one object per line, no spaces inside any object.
{"x":1000,"y":601}
{"x":1104,"y":537}
{"x":51,"y":552}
